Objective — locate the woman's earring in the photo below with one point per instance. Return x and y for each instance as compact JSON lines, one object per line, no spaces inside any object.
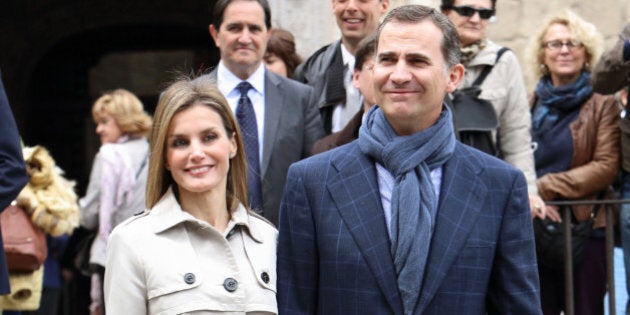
{"x":544,"y":69}
{"x":232,"y":155}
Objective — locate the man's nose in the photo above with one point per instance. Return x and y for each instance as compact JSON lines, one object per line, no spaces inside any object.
{"x":245,"y":37}
{"x":400,"y":73}
{"x":352,"y":5}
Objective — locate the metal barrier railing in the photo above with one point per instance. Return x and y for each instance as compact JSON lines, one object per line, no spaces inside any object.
{"x":610,"y":247}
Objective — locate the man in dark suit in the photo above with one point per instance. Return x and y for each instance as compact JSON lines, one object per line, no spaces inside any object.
{"x":406,"y":220}
{"x":282,"y":122}
{"x":13,"y":175}
{"x":329,"y":69}
{"x":362,"y":80}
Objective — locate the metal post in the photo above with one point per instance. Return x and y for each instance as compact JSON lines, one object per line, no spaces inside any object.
{"x":568,"y":261}
{"x":610,"y":261}
{"x":610,"y":245}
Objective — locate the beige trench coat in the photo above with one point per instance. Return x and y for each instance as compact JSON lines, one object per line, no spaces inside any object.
{"x":165,"y":261}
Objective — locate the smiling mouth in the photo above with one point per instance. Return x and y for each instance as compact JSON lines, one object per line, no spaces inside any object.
{"x":353,"y":21}
{"x":198,"y":170}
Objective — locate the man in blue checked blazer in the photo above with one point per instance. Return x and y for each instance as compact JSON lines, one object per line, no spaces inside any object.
{"x":406,"y":220}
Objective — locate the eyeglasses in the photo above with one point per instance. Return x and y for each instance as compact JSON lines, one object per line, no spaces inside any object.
{"x":468,"y":11}
{"x":558,"y":44}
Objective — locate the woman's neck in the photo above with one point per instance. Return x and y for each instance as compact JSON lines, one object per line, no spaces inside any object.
{"x":560,"y":80}
{"x":210,"y":207}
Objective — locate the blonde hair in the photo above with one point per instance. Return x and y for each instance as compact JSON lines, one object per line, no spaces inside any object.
{"x":580,"y":30}
{"x":179,"y":96}
{"x":127,"y":111}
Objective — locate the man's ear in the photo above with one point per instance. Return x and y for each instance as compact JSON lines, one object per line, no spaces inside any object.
{"x":384,"y":6}
{"x":355,"y":79}
{"x":455,"y":76}
{"x":214,"y":33}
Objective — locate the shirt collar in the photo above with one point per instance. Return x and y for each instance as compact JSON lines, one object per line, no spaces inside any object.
{"x":228,"y":81}
{"x":347,"y":57}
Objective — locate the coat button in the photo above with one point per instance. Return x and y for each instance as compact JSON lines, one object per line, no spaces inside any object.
{"x":265,"y":277}
{"x":189,"y":278}
{"x":230,"y":284}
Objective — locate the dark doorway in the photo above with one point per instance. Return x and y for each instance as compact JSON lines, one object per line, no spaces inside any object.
{"x":62,"y":89}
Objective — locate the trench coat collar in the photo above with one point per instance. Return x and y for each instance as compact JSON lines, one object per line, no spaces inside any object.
{"x":168,"y":213}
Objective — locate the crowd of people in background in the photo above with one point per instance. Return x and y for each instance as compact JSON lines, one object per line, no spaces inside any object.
{"x":345,"y":182}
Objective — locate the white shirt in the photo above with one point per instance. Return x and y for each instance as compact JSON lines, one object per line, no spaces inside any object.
{"x":227,"y":82}
{"x":343,"y":113}
{"x":386,"y":184}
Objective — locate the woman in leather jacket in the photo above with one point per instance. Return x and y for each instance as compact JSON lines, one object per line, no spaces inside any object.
{"x":577,"y":149}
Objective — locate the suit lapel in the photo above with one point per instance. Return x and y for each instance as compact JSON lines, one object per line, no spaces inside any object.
{"x":457,"y":214}
{"x":355,"y":192}
{"x":274,"y":101}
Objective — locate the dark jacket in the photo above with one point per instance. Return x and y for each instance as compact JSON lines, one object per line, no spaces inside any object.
{"x":13,"y":175}
{"x":346,"y":135}
{"x":323,"y":70}
{"x":612,"y":72}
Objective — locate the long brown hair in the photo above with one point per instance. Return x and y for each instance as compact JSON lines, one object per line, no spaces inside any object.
{"x":180,"y":95}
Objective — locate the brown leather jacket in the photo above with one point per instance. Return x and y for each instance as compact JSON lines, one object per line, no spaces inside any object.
{"x":595,"y":160}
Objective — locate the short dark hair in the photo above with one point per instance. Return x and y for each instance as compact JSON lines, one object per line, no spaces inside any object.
{"x":450,"y":3}
{"x":415,"y":13}
{"x":221,"y":5}
{"x":282,"y":44}
{"x":365,"y":50}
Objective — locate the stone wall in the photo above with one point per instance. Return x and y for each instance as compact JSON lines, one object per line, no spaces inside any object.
{"x":312,"y":22}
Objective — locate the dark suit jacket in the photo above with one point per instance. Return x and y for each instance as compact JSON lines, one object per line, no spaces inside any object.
{"x":12,"y":172}
{"x":334,"y":250}
{"x":292,"y":125}
{"x":323,"y":70}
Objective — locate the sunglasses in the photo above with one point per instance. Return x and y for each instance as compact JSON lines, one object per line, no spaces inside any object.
{"x":469,"y":11}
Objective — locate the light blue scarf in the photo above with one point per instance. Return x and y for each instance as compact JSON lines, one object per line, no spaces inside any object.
{"x":410,"y":160}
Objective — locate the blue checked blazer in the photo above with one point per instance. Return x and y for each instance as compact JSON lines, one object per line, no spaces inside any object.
{"x":334,"y":256}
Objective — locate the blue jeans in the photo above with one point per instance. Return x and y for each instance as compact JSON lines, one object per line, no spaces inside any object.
{"x":624,"y":227}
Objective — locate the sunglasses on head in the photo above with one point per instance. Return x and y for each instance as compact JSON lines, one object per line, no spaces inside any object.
{"x":469,"y":11}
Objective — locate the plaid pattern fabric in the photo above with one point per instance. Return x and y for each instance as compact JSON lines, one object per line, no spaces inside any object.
{"x":333,"y":251}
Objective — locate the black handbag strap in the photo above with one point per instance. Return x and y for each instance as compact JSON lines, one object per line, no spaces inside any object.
{"x":486,"y":70}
